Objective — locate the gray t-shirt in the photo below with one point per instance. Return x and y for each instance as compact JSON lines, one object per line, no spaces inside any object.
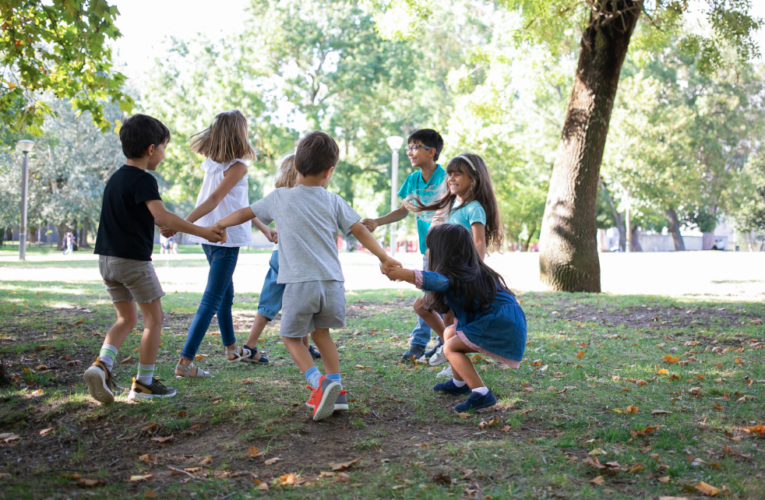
{"x":308,"y":219}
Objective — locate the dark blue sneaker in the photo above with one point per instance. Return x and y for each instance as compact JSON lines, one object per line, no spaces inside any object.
{"x":449,"y":387}
{"x":249,"y":355}
{"x":315,"y":354}
{"x":476,"y":402}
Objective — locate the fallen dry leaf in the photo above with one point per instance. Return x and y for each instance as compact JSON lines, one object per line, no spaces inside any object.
{"x":147,"y":458}
{"x":272,"y":461}
{"x":636,"y":468}
{"x":182,"y":414}
{"x":707,"y":489}
{"x":126,"y":360}
{"x":664,"y":479}
{"x":663,"y":371}
{"x":206,"y":461}
{"x":141,"y":478}
{"x":757,"y":429}
{"x":346,"y":465}
{"x":695,"y":390}
{"x":641,"y":382}
{"x":660,"y":412}
{"x":5,"y":475}
{"x":598,"y":481}
{"x":671,"y":359}
{"x":253,"y":452}
{"x":579,"y":354}
{"x":343,"y":477}
{"x":463,"y":416}
{"x":288,"y":479}
{"x":150,"y":494}
{"x":193,"y":470}
{"x":246,"y":381}
{"x":596,"y":451}
{"x":327,"y":474}
{"x":46,"y":431}
{"x":494,"y":421}
{"x":43,"y":347}
{"x":262,"y":486}
{"x":162,"y":439}
{"x":506,"y":428}
{"x":90,"y":483}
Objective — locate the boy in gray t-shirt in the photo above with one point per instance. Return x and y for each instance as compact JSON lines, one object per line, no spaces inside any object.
{"x":308,"y":217}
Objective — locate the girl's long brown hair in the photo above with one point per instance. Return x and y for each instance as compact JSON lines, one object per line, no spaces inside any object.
{"x":224,"y":140}
{"x":481,"y":190}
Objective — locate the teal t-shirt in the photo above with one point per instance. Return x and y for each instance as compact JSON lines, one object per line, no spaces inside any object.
{"x":427,"y":192}
{"x":467,"y":215}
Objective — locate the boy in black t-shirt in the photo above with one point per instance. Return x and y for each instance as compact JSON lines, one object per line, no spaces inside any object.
{"x":130,"y":209}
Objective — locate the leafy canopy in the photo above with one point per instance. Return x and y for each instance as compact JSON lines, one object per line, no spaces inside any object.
{"x":58,"y":47}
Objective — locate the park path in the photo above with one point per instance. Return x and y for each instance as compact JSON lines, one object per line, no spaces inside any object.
{"x":734,"y":275}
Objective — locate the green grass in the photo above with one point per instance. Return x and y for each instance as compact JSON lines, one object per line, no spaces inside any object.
{"x":585,"y":358}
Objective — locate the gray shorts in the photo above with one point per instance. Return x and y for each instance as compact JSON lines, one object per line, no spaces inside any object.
{"x":129,"y":280}
{"x":310,"y":305}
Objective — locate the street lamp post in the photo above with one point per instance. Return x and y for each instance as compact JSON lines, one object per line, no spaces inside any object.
{"x":26,"y":147}
{"x":395,"y":142}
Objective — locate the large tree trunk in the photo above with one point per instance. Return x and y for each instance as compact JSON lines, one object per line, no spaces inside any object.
{"x":635,"y":240}
{"x":674,"y":228}
{"x":617,"y":217}
{"x":707,"y":241}
{"x":568,"y":240}
{"x":60,"y":229}
{"x":84,"y":233}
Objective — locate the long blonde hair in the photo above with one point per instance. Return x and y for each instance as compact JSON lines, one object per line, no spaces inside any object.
{"x":286,"y":175}
{"x":224,"y":140}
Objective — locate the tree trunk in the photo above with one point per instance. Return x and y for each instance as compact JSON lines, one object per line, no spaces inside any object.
{"x":60,"y":229}
{"x":568,"y":240}
{"x":527,"y":243}
{"x":674,"y":228}
{"x":32,"y":234}
{"x":84,"y":233}
{"x":635,"y":241}
{"x":617,"y":217}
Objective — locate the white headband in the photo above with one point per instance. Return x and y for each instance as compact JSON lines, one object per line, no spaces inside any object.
{"x":467,"y":160}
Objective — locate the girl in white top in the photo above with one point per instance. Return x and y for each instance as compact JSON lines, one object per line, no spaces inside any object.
{"x":224,"y":190}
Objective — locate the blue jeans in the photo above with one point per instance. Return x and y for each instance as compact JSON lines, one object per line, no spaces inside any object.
{"x":218,"y":297}
{"x":421,"y":333}
{"x":270,"y":300}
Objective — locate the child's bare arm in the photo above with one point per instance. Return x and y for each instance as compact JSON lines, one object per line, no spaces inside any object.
{"x":163,"y":218}
{"x":479,"y":237}
{"x":399,"y":214}
{"x":234,"y":174}
{"x":270,"y":233}
{"x":365,"y":238}
{"x":398,"y":274}
{"x":235,"y":218}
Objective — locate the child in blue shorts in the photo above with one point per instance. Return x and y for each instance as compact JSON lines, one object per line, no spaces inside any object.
{"x":270,"y":301}
{"x":488,"y":318}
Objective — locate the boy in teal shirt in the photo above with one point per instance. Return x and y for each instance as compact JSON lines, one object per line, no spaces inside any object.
{"x":425,"y":184}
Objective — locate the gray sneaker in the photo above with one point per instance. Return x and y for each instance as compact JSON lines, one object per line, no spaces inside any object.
{"x":341,"y":403}
{"x":415,"y":351}
{"x":324,"y":398}
{"x":438,"y":358}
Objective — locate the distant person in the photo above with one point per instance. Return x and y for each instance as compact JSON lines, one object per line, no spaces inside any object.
{"x":308,"y":217}
{"x":68,"y":243}
{"x":488,"y":320}
{"x":164,"y":244}
{"x":130,"y":208}
{"x":225,"y":188}
{"x":426,"y":184}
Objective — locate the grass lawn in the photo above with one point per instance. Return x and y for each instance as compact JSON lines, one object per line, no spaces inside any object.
{"x":618,"y":397}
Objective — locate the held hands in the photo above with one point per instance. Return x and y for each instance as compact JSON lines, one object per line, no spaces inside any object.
{"x":271,"y":235}
{"x":214,"y":234}
{"x":370,"y":224}
{"x":396,"y":273}
{"x":166,"y":232}
{"x":389,"y":264}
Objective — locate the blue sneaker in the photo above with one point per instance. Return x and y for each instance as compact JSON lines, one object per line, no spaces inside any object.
{"x":315,"y":354}
{"x":449,"y":387}
{"x":476,"y":402}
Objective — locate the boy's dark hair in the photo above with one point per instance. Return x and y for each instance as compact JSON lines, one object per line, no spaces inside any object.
{"x":453,"y":254}
{"x":428,"y":137}
{"x":139,"y":132}
{"x":316,"y":152}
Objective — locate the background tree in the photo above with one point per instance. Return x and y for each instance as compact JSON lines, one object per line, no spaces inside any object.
{"x":57,"y":47}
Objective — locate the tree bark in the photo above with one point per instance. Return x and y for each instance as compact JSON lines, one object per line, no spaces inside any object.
{"x":635,"y":240}
{"x":60,"y":230}
{"x":617,"y":217}
{"x":674,"y":228}
{"x":527,"y":243}
{"x":707,"y":241}
{"x":568,"y":242}
{"x":84,"y":233}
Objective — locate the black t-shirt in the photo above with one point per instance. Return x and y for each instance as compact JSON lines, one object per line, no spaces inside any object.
{"x":127,"y":227}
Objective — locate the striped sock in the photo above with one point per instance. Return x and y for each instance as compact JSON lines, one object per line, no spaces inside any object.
{"x":145,"y":373}
{"x":312,"y":375}
{"x":335,"y":377}
{"x":107,"y":355}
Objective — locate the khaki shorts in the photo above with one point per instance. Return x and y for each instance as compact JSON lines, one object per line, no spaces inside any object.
{"x":310,"y":305}
{"x":129,"y":280}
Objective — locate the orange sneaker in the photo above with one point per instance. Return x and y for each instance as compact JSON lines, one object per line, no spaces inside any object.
{"x":323,"y":398}
{"x":341,"y":403}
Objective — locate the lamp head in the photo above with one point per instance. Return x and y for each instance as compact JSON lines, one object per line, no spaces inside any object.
{"x":25,"y":145}
{"x":395,"y":142}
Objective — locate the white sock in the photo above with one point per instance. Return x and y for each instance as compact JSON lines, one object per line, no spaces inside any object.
{"x":145,"y":373}
{"x":483,"y":391}
{"x":458,"y":383}
{"x":107,"y":355}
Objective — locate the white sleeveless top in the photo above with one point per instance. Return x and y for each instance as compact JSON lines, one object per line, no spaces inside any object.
{"x":237,"y":236}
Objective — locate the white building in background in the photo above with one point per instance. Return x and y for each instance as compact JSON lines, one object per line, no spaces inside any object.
{"x":726,"y":237}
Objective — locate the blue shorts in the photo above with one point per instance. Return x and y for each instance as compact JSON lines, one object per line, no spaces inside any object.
{"x":270,"y":301}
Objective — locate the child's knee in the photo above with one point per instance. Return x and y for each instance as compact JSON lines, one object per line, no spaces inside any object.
{"x":418,"y":309}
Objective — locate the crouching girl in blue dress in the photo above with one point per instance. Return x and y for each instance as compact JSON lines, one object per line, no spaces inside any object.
{"x":488,"y":318}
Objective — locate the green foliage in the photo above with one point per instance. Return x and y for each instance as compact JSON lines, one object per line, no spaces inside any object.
{"x":57,"y":47}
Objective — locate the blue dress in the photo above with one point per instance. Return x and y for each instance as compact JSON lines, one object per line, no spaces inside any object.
{"x":498,"y":331}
